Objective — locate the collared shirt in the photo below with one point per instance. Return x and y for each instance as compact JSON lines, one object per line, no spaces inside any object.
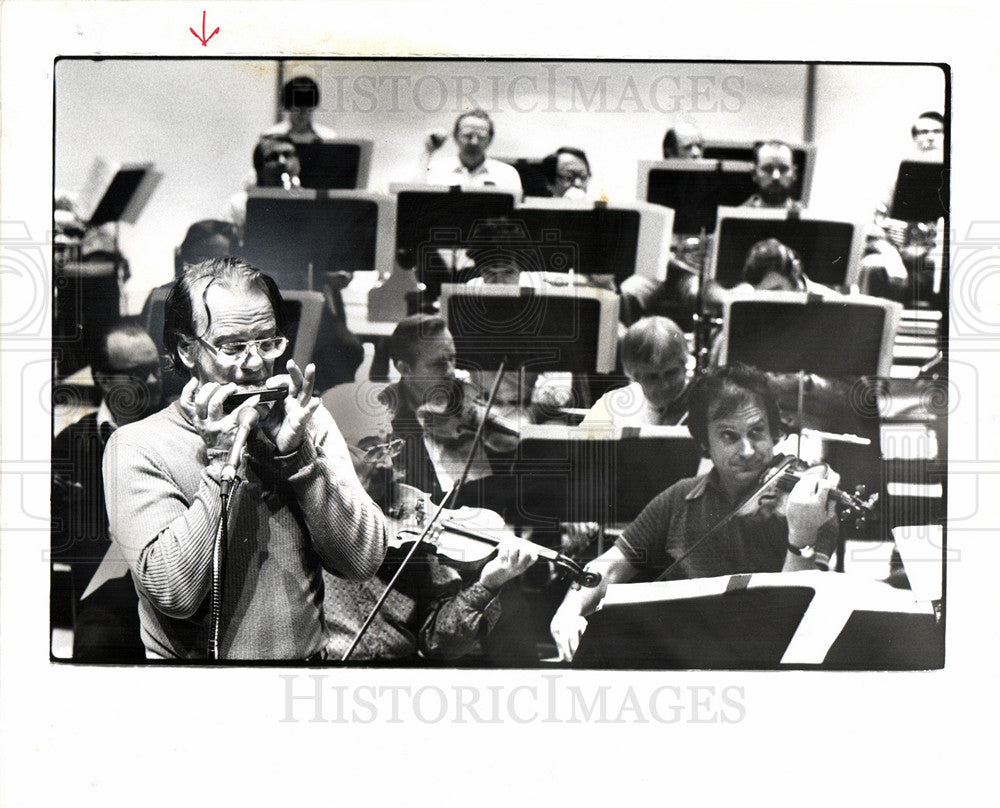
{"x":105,"y":419}
{"x":448,"y":170}
{"x":679,"y":517}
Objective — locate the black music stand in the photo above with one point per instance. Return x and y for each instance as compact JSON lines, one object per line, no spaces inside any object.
{"x":435,"y":223}
{"x":605,"y":475}
{"x":694,"y":189}
{"x":830,"y":250}
{"x":571,"y":329}
{"x":116,"y":192}
{"x":334,"y":164}
{"x":785,"y":332}
{"x":921,"y":193}
{"x":295,"y":236}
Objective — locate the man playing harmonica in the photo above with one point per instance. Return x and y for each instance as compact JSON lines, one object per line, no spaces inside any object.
{"x":297,"y":506}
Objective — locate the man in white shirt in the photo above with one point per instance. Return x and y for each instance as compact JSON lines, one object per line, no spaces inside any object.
{"x":656,"y":358}
{"x":470,"y":167}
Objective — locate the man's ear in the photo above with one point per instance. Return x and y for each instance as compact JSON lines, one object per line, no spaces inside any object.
{"x":186,"y":351}
{"x":402,"y":366}
{"x":102,"y":382}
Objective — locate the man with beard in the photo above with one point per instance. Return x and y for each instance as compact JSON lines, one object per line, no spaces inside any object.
{"x":734,"y":417}
{"x":296,"y":507}
{"x":126,"y":371}
{"x":774,"y":174}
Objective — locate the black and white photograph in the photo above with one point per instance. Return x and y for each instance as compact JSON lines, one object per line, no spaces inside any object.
{"x":603,"y":364}
{"x":599,"y":396}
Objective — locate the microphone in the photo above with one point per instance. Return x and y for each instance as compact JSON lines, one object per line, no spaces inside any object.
{"x":246,"y":420}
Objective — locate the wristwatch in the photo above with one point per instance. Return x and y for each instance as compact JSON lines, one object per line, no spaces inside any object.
{"x":805,"y":552}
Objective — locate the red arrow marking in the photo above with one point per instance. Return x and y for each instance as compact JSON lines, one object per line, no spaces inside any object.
{"x":201,"y":37}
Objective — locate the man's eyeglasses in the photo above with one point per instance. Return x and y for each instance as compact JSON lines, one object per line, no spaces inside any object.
{"x":237,"y":352}
{"x":572,"y":176}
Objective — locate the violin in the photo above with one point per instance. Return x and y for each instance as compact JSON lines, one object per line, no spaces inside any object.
{"x":454,"y":408}
{"x":784,"y":473}
{"x":466,"y":534}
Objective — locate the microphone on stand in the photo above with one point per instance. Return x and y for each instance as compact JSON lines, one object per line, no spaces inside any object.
{"x":246,"y":420}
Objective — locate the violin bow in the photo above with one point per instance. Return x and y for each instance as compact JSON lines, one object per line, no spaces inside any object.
{"x":725,"y":520}
{"x":446,"y":500}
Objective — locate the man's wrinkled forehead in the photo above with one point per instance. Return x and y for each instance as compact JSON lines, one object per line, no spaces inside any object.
{"x":736,"y":403}
{"x":209,"y":293}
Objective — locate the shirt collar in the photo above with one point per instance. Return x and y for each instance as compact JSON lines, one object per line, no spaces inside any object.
{"x":710,"y":480}
{"x":104,"y":416}
{"x":480,"y":169}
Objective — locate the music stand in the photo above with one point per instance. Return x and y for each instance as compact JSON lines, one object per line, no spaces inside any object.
{"x":593,"y":238}
{"x":434,"y":222}
{"x":764,"y":621}
{"x":339,"y":164}
{"x":116,"y":192}
{"x":570,"y":329}
{"x":830,"y":250}
{"x":606,"y":475}
{"x":921,"y":193}
{"x":785,"y":332}
{"x":296,"y":235}
{"x":694,"y":189}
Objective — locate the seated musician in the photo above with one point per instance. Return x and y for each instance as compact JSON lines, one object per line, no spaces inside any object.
{"x":468,"y":167}
{"x":774,"y":174}
{"x":656,"y":358}
{"x":899,"y":254}
{"x":769,"y":266}
{"x":567,"y":173}
{"x":433,"y":408}
{"x":275,"y":165}
{"x":733,"y":416}
{"x":441,"y":609}
{"x":299,"y":100}
{"x":438,"y":609}
{"x":683,"y":141}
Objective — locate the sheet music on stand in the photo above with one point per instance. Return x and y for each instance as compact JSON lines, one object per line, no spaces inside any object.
{"x":571,"y":329}
{"x":599,"y":474}
{"x":921,"y":192}
{"x":765,"y":621}
{"x":116,"y":192}
{"x":785,"y":332}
